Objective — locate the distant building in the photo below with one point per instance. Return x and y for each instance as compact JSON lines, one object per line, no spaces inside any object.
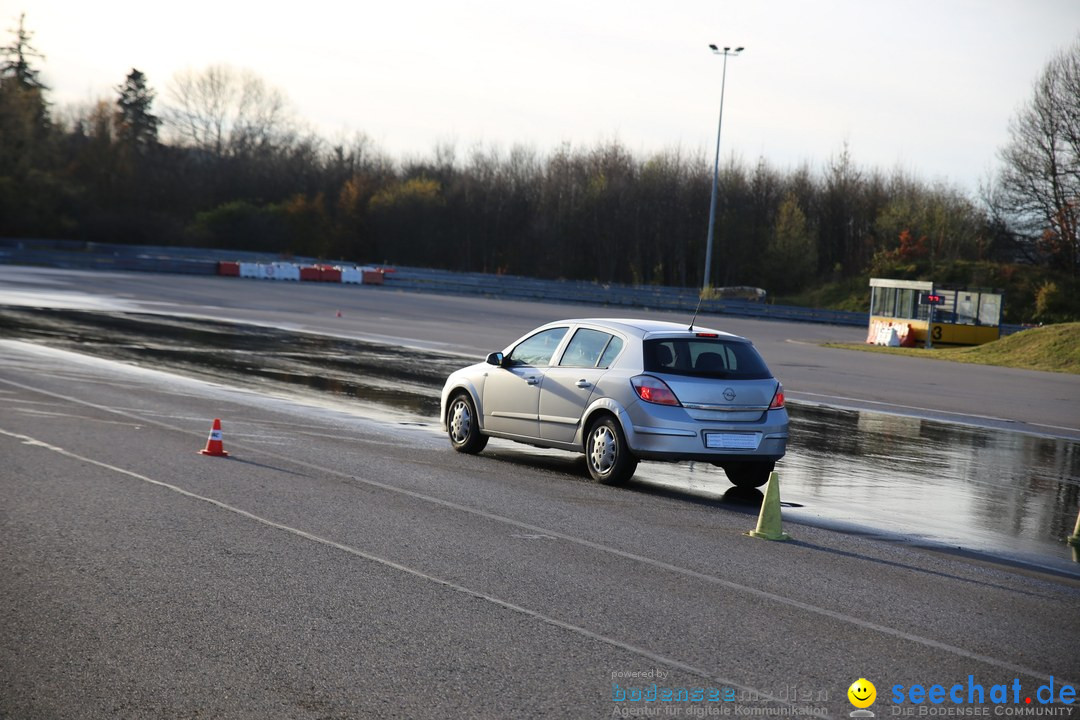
{"x":961,"y":316}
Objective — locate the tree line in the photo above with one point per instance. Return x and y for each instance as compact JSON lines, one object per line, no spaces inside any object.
{"x":219,"y":160}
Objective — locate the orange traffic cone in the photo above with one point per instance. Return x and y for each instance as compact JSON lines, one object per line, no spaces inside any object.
{"x":214,"y":445}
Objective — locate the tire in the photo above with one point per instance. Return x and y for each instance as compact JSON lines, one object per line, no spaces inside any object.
{"x":462,"y":426}
{"x":750,"y":474}
{"x":606,"y":454}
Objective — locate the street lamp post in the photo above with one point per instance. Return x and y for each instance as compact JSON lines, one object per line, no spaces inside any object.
{"x":727,"y":51}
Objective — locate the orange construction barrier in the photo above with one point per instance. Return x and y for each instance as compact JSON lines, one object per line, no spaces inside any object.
{"x":329,"y":273}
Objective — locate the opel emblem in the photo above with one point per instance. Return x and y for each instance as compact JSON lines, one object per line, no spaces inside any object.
{"x":729,"y":394}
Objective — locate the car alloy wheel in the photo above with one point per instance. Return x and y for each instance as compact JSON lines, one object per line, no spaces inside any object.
{"x":606,"y":454}
{"x":604,"y":449}
{"x":460,"y":421}
{"x":462,"y":427}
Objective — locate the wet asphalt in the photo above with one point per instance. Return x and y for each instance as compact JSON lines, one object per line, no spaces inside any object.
{"x":1005,"y":495}
{"x":337,"y":565}
{"x":342,"y":562}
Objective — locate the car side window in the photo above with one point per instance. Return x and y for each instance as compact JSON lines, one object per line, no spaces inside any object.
{"x":611,"y":352}
{"x":537,"y":349}
{"x":585,"y":348}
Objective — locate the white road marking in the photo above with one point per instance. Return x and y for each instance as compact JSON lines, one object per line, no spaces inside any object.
{"x":731,"y":585}
{"x":576,"y":629}
{"x":45,"y":413}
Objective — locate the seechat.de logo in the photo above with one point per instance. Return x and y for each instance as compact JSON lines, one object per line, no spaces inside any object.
{"x":862,"y":695}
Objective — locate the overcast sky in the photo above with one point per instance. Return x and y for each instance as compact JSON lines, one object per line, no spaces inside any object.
{"x":925,"y":85}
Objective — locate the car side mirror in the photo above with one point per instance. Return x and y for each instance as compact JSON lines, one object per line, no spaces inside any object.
{"x":495,"y":358}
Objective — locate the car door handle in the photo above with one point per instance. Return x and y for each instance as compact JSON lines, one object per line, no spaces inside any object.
{"x":583,"y":383}
{"x":532,"y":380}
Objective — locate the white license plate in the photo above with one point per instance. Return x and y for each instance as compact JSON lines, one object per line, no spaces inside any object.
{"x":732,"y":441}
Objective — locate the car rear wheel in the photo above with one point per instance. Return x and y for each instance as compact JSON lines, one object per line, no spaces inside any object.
{"x":749,"y":474}
{"x":462,"y":425}
{"x":609,"y":459}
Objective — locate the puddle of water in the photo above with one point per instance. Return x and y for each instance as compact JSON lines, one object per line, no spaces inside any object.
{"x":976,"y":488}
{"x":988,"y":491}
{"x":401,"y":378}
{"x":984,"y":490}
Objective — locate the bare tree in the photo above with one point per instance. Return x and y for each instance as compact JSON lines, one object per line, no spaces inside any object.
{"x":1038,"y":193}
{"x":226,"y":112}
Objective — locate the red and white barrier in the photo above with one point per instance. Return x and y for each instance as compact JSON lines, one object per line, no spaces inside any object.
{"x":279,"y":271}
{"x":883,"y":332}
{"x":366,"y":275}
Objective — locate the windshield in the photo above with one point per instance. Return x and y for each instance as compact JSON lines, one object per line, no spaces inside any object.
{"x":705,"y":357}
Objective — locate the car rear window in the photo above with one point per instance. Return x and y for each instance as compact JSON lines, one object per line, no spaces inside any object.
{"x":705,"y":357}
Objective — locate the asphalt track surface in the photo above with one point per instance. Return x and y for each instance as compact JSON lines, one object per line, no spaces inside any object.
{"x":1026,"y":401}
{"x":339,"y":566}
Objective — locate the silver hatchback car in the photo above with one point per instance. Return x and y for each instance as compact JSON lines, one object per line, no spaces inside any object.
{"x":621,"y":391}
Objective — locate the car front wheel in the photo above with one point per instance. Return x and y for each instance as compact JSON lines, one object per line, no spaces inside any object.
{"x":609,"y":459}
{"x":462,"y":425}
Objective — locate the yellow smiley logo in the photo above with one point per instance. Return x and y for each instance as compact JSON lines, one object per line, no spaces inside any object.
{"x":862,"y":693}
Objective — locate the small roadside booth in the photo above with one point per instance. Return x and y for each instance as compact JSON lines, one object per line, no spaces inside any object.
{"x":949,"y":315}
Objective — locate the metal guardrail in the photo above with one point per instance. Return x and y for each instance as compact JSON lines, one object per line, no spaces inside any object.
{"x":70,"y":254}
{"x":637,"y":296}
{"x":23,"y":249}
{"x":88,"y":261}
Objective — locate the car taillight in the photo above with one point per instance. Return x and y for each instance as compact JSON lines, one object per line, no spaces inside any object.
{"x":777,"y":398}
{"x":653,"y":390}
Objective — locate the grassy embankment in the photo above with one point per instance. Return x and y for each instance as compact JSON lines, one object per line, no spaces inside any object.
{"x":1055,"y":348}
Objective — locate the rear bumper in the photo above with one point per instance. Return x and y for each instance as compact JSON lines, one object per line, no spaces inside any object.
{"x":659,"y":438}
{"x":769,"y":451}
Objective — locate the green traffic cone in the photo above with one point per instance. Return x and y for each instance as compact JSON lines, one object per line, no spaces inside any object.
{"x":1074,"y":539}
{"x":768,"y":523}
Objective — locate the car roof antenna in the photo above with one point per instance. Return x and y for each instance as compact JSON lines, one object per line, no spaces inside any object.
{"x":696,"y":310}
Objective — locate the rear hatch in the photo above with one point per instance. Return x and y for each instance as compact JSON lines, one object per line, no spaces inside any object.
{"x":716,"y":378}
